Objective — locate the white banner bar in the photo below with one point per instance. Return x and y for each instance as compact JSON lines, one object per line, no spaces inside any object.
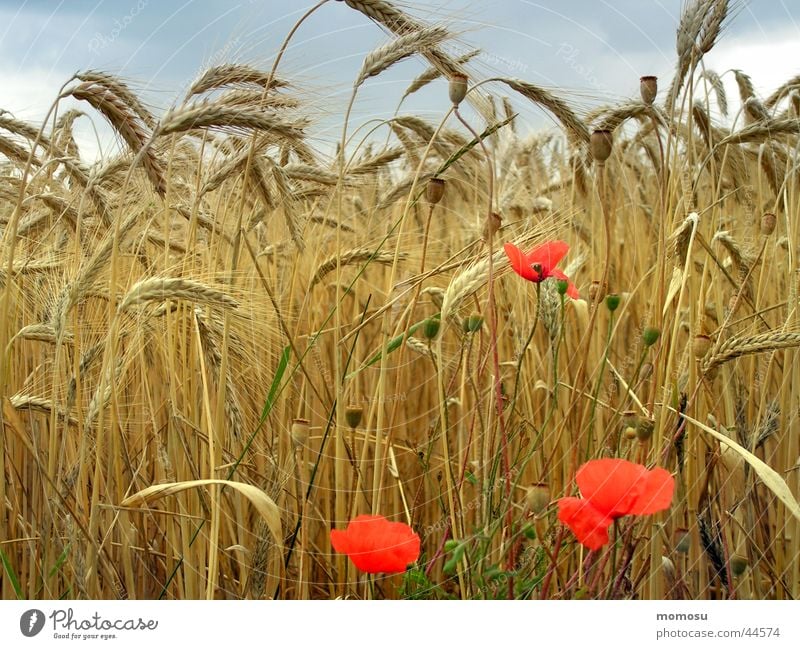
{"x":400,"y":625}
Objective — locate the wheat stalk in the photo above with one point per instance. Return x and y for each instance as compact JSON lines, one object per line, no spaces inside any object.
{"x":400,"y":48}
{"x":761,"y":131}
{"x":221,"y":116}
{"x":738,"y":346}
{"x":432,"y":73}
{"x":127,"y":124}
{"x":575,"y":128}
{"x":159,"y":289}
{"x":354,"y":256}
{"x":234,"y":74}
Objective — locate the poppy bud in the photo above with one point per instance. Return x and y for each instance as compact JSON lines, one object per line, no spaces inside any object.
{"x":768,"y":222}
{"x":701,"y":345}
{"x":435,"y":190}
{"x":650,"y":336}
{"x":352,"y":415}
{"x":648,"y":88}
{"x":612,"y":302}
{"x":472,"y":324}
{"x":495,"y":221}
{"x":537,"y":497}
{"x":431,"y":328}
{"x":629,"y":432}
{"x":561,"y":286}
{"x":738,"y":565}
{"x":458,"y":88}
{"x":683,"y":540}
{"x":600,"y":144}
{"x":300,"y":431}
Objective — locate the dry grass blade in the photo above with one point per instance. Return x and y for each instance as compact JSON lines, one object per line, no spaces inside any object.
{"x":262,"y":502}
{"x":771,"y":479}
{"x":158,"y":289}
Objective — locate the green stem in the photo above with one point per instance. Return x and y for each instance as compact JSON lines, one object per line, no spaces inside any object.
{"x":599,"y":382}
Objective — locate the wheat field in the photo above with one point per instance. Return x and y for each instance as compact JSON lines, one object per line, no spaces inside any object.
{"x":223,"y":342}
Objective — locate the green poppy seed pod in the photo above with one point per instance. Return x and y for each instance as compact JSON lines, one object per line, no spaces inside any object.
{"x":612,"y":302}
{"x":352,"y":415}
{"x":458,"y":88}
{"x":537,"y":497}
{"x":300,"y":431}
{"x":648,"y":88}
{"x":472,"y":324}
{"x":561,"y":286}
{"x":431,"y":328}
{"x":650,"y":336}
{"x":450,"y":545}
{"x":435,"y":190}
{"x":738,"y":565}
{"x":644,"y":429}
{"x":600,"y":144}
{"x":683,"y":540}
{"x":629,"y":432}
{"x":768,"y":223}
{"x":701,"y":345}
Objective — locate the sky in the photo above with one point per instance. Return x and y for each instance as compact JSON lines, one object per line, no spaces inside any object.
{"x":589,"y":51}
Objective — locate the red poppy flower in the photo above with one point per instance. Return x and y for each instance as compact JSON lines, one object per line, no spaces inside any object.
{"x":611,"y":488}
{"x":540,"y":263}
{"x":376,"y":545}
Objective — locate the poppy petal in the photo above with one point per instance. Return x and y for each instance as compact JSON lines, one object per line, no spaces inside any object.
{"x":588,"y":524}
{"x":613,"y":485}
{"x":375,"y":544}
{"x":572,"y":290}
{"x":519,"y":262}
{"x":657,"y":489}
{"x":548,"y":255}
